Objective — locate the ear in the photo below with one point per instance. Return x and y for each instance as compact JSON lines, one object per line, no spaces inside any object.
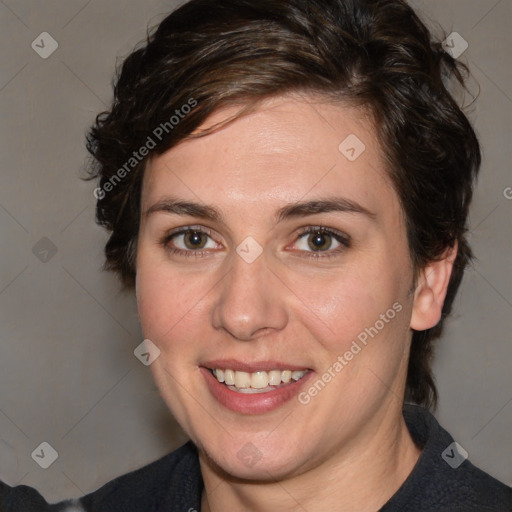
{"x":431,"y":290}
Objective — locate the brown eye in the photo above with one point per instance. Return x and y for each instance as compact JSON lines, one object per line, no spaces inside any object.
{"x":322,"y":242}
{"x":195,"y":239}
{"x":319,"y":241}
{"x":189,"y":241}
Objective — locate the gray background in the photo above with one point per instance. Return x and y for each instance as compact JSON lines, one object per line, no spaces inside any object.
{"x":67,"y":371}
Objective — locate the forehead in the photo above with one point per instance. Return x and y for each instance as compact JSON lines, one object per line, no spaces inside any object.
{"x":287,"y":149}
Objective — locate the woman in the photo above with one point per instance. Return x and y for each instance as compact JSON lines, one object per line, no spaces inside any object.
{"x":287,"y":185}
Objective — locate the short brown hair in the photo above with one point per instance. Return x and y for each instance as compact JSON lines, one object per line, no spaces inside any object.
{"x":373,"y":53}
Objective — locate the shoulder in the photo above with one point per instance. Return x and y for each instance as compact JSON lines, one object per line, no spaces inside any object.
{"x":21,"y":497}
{"x":171,"y":483}
{"x":444,"y":480}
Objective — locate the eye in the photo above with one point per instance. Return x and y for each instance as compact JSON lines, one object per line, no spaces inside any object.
{"x":322,"y":240}
{"x":190,"y":241}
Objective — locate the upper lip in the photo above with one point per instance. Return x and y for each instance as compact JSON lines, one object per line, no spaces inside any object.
{"x":250,"y":367}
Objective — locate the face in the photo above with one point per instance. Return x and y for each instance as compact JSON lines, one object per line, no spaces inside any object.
{"x":272,"y":255}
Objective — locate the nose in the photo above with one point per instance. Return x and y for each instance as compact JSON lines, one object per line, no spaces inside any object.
{"x":250,"y":301}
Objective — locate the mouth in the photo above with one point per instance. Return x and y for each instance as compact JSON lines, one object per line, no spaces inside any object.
{"x":256,"y":382}
{"x":253,"y":388}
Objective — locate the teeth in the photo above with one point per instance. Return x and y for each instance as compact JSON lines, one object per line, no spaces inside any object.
{"x":297,"y":374}
{"x":258,"y":380}
{"x":229,"y":377}
{"x":242,"y":380}
{"x":274,"y":378}
{"x":286,"y":376}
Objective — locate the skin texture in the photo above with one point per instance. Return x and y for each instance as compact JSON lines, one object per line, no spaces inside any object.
{"x":348,"y":448}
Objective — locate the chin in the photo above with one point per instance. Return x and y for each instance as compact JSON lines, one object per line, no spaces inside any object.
{"x":267,"y":463}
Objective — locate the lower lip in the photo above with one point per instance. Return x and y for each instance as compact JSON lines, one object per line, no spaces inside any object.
{"x":253,"y":403}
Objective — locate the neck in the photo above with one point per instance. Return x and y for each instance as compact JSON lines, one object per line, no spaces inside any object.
{"x":361,"y":478}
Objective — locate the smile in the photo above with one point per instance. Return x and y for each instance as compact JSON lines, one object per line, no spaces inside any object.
{"x":256,"y":382}
{"x":254,"y":388}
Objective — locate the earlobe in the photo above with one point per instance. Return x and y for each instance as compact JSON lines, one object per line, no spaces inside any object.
{"x":430,"y":291}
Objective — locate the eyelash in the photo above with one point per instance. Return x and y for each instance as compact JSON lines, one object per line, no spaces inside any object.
{"x":343,"y":239}
{"x":187,"y":229}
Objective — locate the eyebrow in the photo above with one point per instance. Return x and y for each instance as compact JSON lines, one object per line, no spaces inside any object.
{"x":177,"y":207}
{"x":335,"y":204}
{"x":292,"y":210}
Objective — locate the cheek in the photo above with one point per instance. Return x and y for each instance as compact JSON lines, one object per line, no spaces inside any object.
{"x":363,"y":332}
{"x":342,"y":304}
{"x":166,"y":301}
